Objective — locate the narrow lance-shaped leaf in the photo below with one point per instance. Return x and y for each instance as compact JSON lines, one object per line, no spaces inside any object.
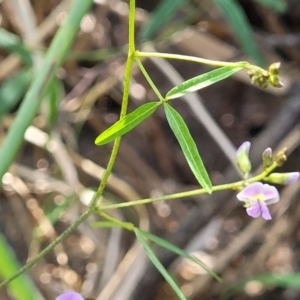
{"x":201,"y":81}
{"x":127,"y":123}
{"x":163,"y":243}
{"x":158,"y":264}
{"x":188,"y":146}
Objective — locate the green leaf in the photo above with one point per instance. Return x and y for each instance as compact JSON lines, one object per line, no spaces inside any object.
{"x":279,"y":6}
{"x":201,"y":81}
{"x":188,"y":147}
{"x":163,"y":243}
{"x":22,"y":287}
{"x":160,"y":16}
{"x":241,"y":27}
{"x":12,"y":90}
{"x":158,"y":265}
{"x":13,"y":43}
{"x":127,"y":123}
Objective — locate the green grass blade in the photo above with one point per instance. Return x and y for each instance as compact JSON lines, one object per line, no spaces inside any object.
{"x":127,"y":123}
{"x":53,"y":95}
{"x":291,"y":280}
{"x":12,"y":43}
{"x":159,"y":17}
{"x":188,"y":146}
{"x":279,"y":6}
{"x":241,"y":27}
{"x":96,"y":55}
{"x":12,"y":90}
{"x":280,"y":280}
{"x":163,"y":243}
{"x":22,"y":288}
{"x":54,"y":58}
{"x":54,"y":211}
{"x":200,"y":82}
{"x":158,"y":265}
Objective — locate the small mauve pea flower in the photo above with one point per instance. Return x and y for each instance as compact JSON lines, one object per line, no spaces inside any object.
{"x":283,"y":178}
{"x":242,"y":158}
{"x":257,"y":197}
{"x":70,"y":296}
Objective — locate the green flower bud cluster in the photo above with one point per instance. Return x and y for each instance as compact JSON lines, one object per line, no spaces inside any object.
{"x":280,"y":158}
{"x":263,"y":78}
{"x":244,"y":164}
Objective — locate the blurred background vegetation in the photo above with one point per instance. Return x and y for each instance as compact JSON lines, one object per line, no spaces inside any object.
{"x":58,"y":166}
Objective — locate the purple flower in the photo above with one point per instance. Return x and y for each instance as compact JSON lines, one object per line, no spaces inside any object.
{"x":257,"y":197}
{"x":70,"y":296}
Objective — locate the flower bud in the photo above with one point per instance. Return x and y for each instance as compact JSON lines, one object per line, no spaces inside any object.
{"x":281,"y":157}
{"x":274,"y":68}
{"x":259,"y":77}
{"x":267,"y":158}
{"x":283,"y":178}
{"x":242,"y":157}
{"x":274,"y":79}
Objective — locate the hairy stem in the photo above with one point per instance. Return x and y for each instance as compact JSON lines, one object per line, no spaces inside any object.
{"x":110,"y":164}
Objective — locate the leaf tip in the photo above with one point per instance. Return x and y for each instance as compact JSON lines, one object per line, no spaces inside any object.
{"x":98,"y":141}
{"x":208,"y":190}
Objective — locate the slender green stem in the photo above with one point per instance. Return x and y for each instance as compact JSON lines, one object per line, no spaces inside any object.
{"x":125,"y":98}
{"x":110,"y":165}
{"x":228,"y":186}
{"x":81,"y":219}
{"x":46,"y":250}
{"x":241,"y":64}
{"x":131,"y":27}
{"x":126,"y":225}
{"x":235,"y":185}
{"x":116,"y":146}
{"x":151,"y":83}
